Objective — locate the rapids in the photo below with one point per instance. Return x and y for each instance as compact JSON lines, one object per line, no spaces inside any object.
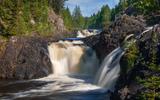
{"x":76,"y":75}
{"x":74,"y":70}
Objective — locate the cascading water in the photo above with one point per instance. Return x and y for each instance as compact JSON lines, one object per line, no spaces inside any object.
{"x":109,"y":70}
{"x":74,"y":68}
{"x":68,"y":58}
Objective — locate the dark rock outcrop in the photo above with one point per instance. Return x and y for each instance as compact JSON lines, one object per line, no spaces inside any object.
{"x":128,"y":86}
{"x":57,"y":22}
{"x":24,"y":58}
{"x":148,"y":46}
{"x":111,"y":38}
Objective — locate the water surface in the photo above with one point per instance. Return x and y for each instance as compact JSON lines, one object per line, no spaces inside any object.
{"x":73,"y":87}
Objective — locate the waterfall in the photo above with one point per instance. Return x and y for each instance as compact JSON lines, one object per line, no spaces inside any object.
{"x":109,"y":70}
{"x":68,"y":58}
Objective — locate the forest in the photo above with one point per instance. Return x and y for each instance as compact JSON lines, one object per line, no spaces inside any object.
{"x":32,"y":15}
{"x":28,"y":33}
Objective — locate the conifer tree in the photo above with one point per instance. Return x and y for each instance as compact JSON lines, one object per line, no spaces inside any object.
{"x":78,"y":19}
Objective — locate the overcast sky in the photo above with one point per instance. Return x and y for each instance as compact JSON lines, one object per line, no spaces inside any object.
{"x":88,"y":7}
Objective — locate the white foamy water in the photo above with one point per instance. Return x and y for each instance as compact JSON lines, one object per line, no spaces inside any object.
{"x":68,"y":58}
{"x":74,"y":67}
{"x":54,"y":86}
{"x":109,"y":70}
{"x":73,"y":83}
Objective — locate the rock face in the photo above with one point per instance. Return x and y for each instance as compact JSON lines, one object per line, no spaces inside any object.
{"x":145,"y":69}
{"x":111,"y":38}
{"x":24,"y":58}
{"x":57,"y":22}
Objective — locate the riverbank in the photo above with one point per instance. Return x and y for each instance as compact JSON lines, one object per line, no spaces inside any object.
{"x":27,"y":57}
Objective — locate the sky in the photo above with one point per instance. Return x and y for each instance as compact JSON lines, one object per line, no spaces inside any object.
{"x":88,"y":7}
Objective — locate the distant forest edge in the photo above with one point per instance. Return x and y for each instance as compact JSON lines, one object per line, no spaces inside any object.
{"x":25,"y":17}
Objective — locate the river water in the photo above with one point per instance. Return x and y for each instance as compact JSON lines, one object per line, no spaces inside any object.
{"x":77,"y":75}
{"x":74,"y":70}
{"x":67,"y":87}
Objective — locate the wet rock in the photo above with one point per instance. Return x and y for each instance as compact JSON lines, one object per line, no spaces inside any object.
{"x":111,"y":38}
{"x":143,"y":68}
{"x":127,"y":87}
{"x":25,"y":58}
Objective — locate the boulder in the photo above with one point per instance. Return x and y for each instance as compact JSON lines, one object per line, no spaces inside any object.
{"x":146,"y":67}
{"x":24,"y":58}
{"x":57,"y":22}
{"x":113,"y":37}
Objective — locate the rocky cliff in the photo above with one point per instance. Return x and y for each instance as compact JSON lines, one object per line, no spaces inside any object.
{"x":140,"y":66}
{"x":141,"y":79}
{"x":113,"y":37}
{"x":24,"y":58}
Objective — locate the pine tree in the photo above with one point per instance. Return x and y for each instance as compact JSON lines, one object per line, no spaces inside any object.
{"x":67,"y":17}
{"x":78,"y":19}
{"x":105,"y":16}
{"x":101,"y":19}
{"x":57,"y":5}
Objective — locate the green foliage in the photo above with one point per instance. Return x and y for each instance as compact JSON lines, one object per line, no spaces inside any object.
{"x":22,"y":17}
{"x":67,"y":18}
{"x":101,"y":19}
{"x":8,"y":13}
{"x":152,"y":83}
{"x":39,"y":16}
{"x":57,"y":5}
{"x":3,"y":42}
{"x":153,"y":65}
{"x":129,"y":58}
{"x":146,"y":6}
{"x":78,"y":19}
{"x":143,"y":7}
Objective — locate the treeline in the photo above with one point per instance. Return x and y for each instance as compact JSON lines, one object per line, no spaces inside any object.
{"x":77,"y":21}
{"x":19,"y":17}
{"x":74,"y":21}
{"x":31,"y":16}
{"x":150,"y":9}
{"x":99,"y":20}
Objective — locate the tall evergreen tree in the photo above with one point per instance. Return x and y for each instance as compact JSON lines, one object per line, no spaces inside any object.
{"x":57,"y":5}
{"x":105,"y":16}
{"x":67,"y":17}
{"x":101,"y":19}
{"x":26,"y":16}
{"x":78,"y":19}
{"x":143,"y":7}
